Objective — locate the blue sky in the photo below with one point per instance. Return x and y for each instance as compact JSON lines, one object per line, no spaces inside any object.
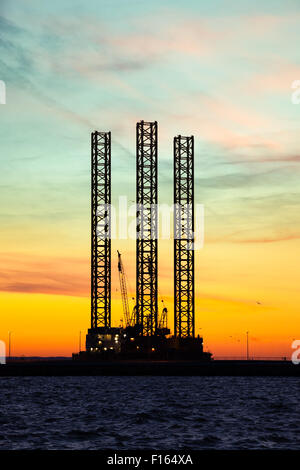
{"x":219,"y":70}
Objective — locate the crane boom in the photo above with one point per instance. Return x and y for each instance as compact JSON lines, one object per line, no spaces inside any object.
{"x":123,"y":287}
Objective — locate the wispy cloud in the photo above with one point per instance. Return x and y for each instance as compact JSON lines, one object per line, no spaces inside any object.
{"x":274,"y":239}
{"x":44,"y":275}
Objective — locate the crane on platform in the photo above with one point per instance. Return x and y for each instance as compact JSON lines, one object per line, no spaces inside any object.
{"x":129,"y":319}
{"x":163,"y":321}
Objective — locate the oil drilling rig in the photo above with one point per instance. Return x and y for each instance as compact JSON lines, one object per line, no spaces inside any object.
{"x":145,"y":333}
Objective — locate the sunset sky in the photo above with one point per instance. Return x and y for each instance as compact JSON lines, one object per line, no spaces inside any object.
{"x":221,"y":71}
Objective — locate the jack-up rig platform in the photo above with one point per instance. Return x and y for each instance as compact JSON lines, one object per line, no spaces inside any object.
{"x":145,"y":334}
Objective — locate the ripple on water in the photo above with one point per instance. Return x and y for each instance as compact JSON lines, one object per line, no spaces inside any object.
{"x":149,"y":413}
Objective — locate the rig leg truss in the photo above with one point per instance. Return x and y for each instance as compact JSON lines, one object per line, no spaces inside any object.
{"x":147,"y":228}
{"x":101,"y":230}
{"x":184,"y":288}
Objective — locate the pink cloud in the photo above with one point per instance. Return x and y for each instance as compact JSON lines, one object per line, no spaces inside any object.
{"x":44,"y":275}
{"x":224,"y":123}
{"x":278,"y":79}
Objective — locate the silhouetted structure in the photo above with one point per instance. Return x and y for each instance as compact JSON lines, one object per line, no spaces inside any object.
{"x":146,"y":235}
{"x":184,"y":318}
{"x":145,"y":335}
{"x":101,"y":230}
{"x":129,"y":318}
{"x":100,"y":242}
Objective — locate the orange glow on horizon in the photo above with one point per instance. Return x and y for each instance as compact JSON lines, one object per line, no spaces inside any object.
{"x":239,"y":288}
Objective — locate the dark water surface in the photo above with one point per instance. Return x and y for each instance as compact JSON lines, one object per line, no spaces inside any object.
{"x":149,"y":413}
